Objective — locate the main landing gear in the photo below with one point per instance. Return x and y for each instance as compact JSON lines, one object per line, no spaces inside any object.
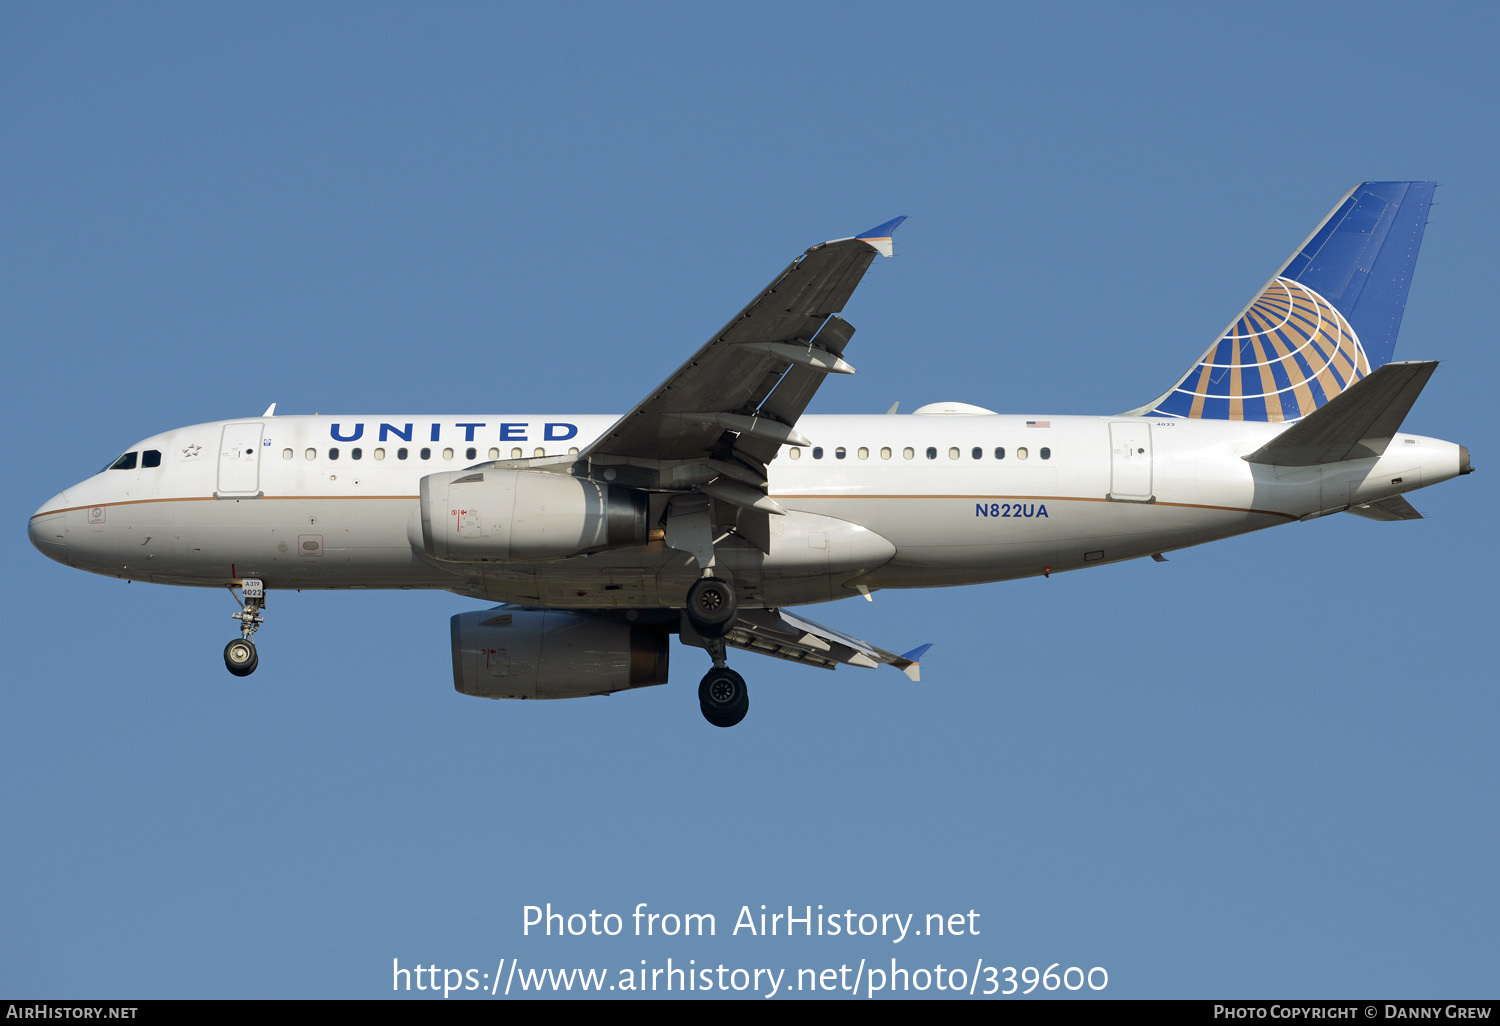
{"x":711,"y":610}
{"x":239,"y":655}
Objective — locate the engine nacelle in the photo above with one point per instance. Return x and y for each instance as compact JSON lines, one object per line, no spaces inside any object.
{"x":491,"y":515}
{"x":533,"y":653}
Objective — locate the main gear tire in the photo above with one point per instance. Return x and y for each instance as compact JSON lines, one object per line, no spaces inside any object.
{"x":711,"y":606}
{"x":723,"y":697}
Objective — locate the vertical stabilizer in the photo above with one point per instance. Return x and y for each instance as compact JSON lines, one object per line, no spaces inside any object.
{"x":1324,"y":321}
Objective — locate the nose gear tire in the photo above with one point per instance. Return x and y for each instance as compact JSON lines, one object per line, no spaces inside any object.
{"x":240,"y":657}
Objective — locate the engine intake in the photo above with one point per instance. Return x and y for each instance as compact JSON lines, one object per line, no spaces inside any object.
{"x":534,"y":653}
{"x":494,"y":515}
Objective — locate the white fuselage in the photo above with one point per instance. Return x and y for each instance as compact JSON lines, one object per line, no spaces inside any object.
{"x":879,"y":502}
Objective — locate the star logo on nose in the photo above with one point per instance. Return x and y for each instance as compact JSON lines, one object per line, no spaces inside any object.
{"x":191,"y":451}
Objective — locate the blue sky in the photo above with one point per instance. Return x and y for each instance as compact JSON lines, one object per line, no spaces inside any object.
{"x":1263,"y":769}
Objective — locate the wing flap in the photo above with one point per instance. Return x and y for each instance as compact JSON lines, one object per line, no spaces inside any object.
{"x":778,"y":633}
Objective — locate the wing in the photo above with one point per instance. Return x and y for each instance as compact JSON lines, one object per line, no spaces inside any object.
{"x":725,"y":413}
{"x":779,"y":633}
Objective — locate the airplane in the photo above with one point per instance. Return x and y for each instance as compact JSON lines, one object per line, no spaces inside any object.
{"x":716,"y":503}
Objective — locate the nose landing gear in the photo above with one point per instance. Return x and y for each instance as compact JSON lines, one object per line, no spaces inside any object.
{"x":240,"y":657}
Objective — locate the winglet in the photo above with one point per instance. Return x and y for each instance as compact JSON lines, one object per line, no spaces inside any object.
{"x":880,"y":236}
{"x":909,"y":663}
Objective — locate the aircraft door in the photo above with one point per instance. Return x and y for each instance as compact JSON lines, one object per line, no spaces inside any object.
{"x":239,"y":461}
{"x":1130,"y":461}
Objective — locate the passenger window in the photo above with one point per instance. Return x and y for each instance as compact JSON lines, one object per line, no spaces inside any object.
{"x":978,"y":453}
{"x":470,"y":453}
{"x":152,"y":458}
{"x":953,"y":453}
{"x":839,"y":453}
{"x":863,"y":453}
{"x":515,"y":453}
{"x":908,"y":453}
{"x":540,"y":452}
{"x":286,"y":454}
{"x":379,"y":454}
{"x":356,"y":453}
{"x":1021,"y":453}
{"x":126,"y":462}
{"x":447,"y":454}
{"x":494,"y":454}
{"x":795,"y":453}
{"x":1000,"y":452}
{"x":885,"y":452}
{"x":931,"y":453}
{"x":1046,"y":453}
{"x":310,"y":455}
{"x":400,"y":454}
{"x":426,"y":454}
{"x":333,"y":453}
{"x":817,"y":452}
{"x":573,"y":450}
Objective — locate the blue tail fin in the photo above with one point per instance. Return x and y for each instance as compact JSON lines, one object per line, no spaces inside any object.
{"x":1322,"y":322}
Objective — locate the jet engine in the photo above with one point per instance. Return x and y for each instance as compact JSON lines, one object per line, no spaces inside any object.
{"x":534,"y":653}
{"x":503,"y":515}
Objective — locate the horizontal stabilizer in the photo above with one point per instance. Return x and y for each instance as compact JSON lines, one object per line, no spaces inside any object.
{"x":1358,"y":423}
{"x":1393,"y":508}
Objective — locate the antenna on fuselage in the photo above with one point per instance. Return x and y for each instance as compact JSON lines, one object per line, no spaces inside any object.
{"x":270,"y":411}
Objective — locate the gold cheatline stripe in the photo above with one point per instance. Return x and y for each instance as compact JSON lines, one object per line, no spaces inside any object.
{"x":1034,"y":498}
{"x":1053,"y":498}
{"x":211,"y":498}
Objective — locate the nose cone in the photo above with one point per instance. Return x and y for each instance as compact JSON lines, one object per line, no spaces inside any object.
{"x":46,"y":527}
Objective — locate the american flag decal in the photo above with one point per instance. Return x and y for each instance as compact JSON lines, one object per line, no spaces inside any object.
{"x":1039,"y":423}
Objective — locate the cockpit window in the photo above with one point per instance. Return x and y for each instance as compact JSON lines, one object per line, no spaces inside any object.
{"x":126,"y":462}
{"x":151,"y":458}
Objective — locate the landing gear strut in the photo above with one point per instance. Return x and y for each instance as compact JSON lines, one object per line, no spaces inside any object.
{"x":240,"y":657}
{"x":710,"y":609}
